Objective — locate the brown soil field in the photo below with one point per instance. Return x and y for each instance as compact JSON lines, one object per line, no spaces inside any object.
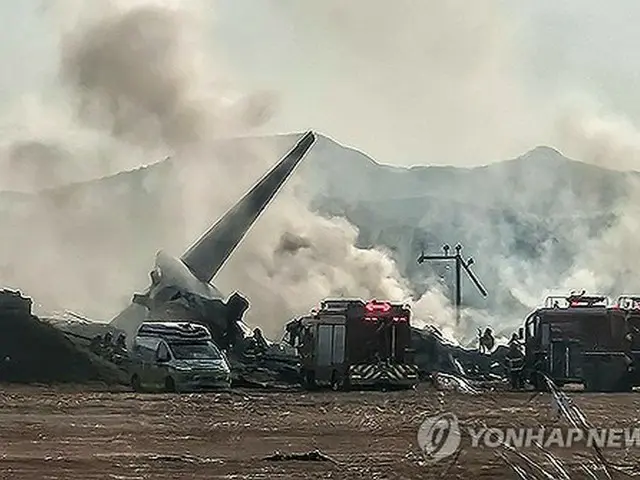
{"x":83,"y":433}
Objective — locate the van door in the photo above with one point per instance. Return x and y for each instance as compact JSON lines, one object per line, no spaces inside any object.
{"x":160,"y":370}
{"x":144,"y":351}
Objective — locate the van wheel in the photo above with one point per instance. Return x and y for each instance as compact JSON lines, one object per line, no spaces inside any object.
{"x":169,"y":385}
{"x":135,"y":383}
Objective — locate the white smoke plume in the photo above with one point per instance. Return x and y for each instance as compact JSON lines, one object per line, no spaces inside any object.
{"x":137,"y":84}
{"x":442,"y":78}
{"x":453,"y":71}
{"x":609,"y":262}
{"x":605,"y":263}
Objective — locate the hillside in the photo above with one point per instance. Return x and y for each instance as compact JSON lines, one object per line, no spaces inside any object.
{"x":531,"y":216}
{"x":526,"y":220}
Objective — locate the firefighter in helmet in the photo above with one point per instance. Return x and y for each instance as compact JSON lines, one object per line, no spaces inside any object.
{"x":260,"y":342}
{"x":486,"y":341}
{"x":515,"y":362}
{"x":107,"y":346}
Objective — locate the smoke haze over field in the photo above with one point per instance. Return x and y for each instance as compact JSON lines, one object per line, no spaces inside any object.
{"x":420,"y":82}
{"x":137,"y":87}
{"x":456,"y":74}
{"x":464,"y":83}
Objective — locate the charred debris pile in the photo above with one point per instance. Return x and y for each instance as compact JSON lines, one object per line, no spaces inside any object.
{"x":32,"y":351}
{"x":35,"y":351}
{"x":254,"y":361}
{"x":258,"y":362}
{"x":434,"y":354}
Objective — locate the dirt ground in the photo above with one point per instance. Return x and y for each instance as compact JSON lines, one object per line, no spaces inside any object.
{"x":81,"y":433}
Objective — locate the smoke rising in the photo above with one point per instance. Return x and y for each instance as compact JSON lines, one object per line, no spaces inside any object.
{"x":611,"y":259}
{"x":455,"y":74}
{"x":133,"y":89}
{"x":137,"y":83}
{"x":138,"y":86}
{"x":443,"y":79}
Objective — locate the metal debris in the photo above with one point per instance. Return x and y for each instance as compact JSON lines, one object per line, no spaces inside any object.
{"x":313,"y":456}
{"x":446,"y":381}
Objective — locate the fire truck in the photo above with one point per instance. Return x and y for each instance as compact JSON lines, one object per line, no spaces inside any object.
{"x":583,"y":339}
{"x":351,"y":343}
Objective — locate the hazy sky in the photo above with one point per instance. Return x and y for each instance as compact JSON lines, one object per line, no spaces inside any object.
{"x":423,"y":81}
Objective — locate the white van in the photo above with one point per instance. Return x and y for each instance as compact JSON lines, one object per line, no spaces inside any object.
{"x":177,"y":357}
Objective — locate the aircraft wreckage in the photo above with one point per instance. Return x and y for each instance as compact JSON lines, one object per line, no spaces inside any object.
{"x":181,"y":290}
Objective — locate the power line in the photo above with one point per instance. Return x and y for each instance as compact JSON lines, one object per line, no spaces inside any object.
{"x":460,"y":264}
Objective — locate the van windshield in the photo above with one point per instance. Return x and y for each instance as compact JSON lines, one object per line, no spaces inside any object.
{"x":195,"y":351}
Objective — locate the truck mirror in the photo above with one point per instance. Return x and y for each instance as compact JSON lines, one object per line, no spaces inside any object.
{"x":521,"y":333}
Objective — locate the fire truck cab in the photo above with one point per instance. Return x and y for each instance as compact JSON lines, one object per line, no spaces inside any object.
{"x":580,"y":339}
{"x":347,"y":343}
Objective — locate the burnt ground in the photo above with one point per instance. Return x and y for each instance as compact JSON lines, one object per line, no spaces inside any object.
{"x":80,"y":433}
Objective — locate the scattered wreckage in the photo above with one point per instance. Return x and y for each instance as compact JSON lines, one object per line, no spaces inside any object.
{"x":181,"y":290}
{"x":398,"y":354}
{"x":587,"y":342}
{"x":563,"y":407}
{"x":573,"y":339}
{"x":253,"y":360}
{"x":390,"y":352}
{"x":175,"y":281}
{"x":344,"y":343}
{"x":34,"y":351}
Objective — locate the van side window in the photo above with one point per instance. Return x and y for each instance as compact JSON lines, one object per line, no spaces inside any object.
{"x":163,"y":351}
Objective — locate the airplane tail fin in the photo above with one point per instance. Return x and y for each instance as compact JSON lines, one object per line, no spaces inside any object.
{"x":206,"y":256}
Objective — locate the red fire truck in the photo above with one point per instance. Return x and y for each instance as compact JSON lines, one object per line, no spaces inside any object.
{"x":348,"y":342}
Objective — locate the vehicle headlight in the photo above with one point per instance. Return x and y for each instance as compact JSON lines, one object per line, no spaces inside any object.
{"x":183,"y":369}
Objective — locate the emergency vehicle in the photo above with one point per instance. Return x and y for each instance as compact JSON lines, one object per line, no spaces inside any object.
{"x":351,"y":343}
{"x":583,"y":339}
{"x":177,"y":357}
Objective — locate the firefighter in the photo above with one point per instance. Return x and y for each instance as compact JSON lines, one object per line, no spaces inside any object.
{"x":120,"y":350}
{"x":294,"y":329}
{"x":236,"y":306}
{"x":260,"y":342}
{"x":107,"y":346}
{"x":305,"y":347}
{"x":486,"y":341}
{"x":515,"y":362}
{"x":121,"y":344}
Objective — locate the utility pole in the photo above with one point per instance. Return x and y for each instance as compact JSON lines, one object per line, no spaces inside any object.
{"x":460,"y":264}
